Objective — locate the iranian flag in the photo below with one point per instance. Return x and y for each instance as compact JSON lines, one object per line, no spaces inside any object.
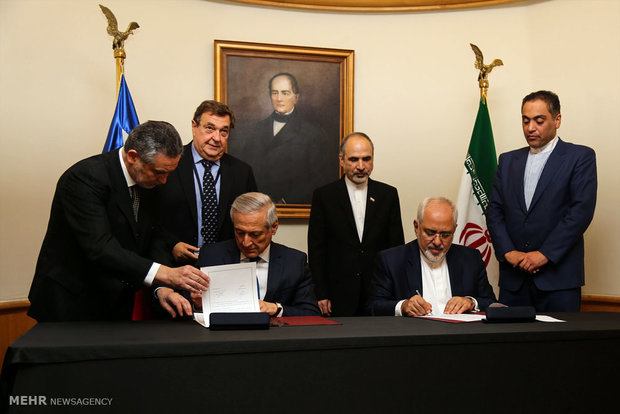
{"x":475,"y":190}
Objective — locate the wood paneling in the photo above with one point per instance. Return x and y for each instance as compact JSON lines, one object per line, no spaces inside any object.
{"x":13,"y":323}
{"x":597,"y":303}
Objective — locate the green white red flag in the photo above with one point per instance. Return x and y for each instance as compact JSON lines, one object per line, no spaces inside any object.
{"x":474,"y":192}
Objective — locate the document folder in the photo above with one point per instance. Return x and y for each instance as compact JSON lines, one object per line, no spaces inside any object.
{"x":510,"y":314}
{"x":220,"y":321}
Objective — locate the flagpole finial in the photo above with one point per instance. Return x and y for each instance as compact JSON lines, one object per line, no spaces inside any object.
{"x":483,"y":75}
{"x":118,"y":44}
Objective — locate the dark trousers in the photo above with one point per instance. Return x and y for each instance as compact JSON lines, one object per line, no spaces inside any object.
{"x":566,"y":300}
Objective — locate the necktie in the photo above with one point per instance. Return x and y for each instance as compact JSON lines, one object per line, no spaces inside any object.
{"x":209,"y":205}
{"x":256,"y":260}
{"x":134,"y":191}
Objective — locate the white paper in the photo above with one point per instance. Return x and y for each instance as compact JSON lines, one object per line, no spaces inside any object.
{"x":232,"y":288}
{"x":460,"y":317}
{"x":545,"y":318}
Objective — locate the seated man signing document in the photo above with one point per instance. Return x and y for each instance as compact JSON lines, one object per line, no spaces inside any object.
{"x":430,"y":275}
{"x":285,"y":284}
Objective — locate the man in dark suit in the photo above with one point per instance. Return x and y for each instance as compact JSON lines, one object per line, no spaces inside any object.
{"x":542,"y":202}
{"x":180,"y":200}
{"x":102,"y":230}
{"x":285,"y":284}
{"x":430,"y":275}
{"x":286,"y":149}
{"x":350,"y":221}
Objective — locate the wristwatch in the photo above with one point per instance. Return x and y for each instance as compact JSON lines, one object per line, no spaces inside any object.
{"x":278,"y":310}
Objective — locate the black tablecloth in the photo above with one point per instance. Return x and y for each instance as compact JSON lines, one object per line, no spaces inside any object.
{"x":365,"y":364}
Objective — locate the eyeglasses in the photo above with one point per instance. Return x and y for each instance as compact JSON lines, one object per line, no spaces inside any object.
{"x":431,"y":234}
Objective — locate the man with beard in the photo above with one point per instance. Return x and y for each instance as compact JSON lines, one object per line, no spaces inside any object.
{"x":430,"y":275}
{"x":350,"y":221}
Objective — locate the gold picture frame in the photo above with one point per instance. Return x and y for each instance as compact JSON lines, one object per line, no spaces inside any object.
{"x":375,"y":6}
{"x":304,"y":154}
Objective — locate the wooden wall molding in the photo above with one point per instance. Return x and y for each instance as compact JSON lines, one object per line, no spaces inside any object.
{"x":599,"y":303}
{"x":13,"y":323}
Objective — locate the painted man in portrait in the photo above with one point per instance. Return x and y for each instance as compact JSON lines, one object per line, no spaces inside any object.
{"x":286,"y":150}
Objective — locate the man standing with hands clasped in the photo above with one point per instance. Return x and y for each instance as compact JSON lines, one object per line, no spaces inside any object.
{"x":542,"y":202}
{"x":350,"y":221}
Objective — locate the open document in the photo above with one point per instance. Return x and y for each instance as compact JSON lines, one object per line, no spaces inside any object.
{"x":232,"y":288}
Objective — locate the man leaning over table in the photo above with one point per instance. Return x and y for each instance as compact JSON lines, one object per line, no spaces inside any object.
{"x":285,"y":284}
{"x":102,"y":232}
{"x":430,"y":275}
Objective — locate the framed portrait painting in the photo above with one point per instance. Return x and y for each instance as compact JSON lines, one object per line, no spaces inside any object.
{"x":293,"y":105}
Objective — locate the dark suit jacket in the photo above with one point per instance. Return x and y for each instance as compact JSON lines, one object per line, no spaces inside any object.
{"x":398,"y":274}
{"x":559,"y":214}
{"x":341,"y":265}
{"x":288,"y":278}
{"x":289,"y":166}
{"x":93,"y":257}
{"x":177,"y":198}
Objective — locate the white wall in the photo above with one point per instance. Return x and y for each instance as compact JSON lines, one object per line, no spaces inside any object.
{"x":416,"y":94}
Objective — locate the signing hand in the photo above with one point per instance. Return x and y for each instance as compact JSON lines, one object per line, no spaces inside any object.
{"x":416,"y":306}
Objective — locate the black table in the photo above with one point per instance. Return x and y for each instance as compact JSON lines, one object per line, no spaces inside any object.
{"x":372,"y":364}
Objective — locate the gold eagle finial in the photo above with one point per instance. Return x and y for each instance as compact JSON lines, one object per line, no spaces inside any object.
{"x":119,"y":37}
{"x":483,"y":80}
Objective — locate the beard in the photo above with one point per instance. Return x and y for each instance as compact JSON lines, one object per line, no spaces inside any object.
{"x":434,"y":258}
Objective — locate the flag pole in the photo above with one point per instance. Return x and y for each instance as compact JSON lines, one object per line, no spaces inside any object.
{"x":119,"y":56}
{"x":118,"y":44}
{"x":477,"y":177}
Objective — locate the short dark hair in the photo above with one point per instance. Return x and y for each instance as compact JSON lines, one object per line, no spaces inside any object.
{"x":360,"y":134}
{"x":550,"y":98}
{"x":290,"y":77}
{"x":216,"y":108}
{"x":152,"y":138}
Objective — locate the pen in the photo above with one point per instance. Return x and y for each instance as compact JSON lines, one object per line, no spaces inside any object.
{"x":418,"y":292}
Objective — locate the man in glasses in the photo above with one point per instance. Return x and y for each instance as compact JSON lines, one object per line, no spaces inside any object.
{"x":430,"y":275}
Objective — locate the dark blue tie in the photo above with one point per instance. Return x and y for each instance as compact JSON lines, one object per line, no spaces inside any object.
{"x":256,"y":260}
{"x":209,"y":205}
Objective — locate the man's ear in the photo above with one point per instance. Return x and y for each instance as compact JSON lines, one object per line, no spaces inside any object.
{"x":274,"y":228}
{"x":132,"y":157}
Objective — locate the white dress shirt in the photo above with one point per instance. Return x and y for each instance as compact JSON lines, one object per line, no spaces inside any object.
{"x":536,"y":160}
{"x":262,"y":270}
{"x":436,"y":287}
{"x":357,"y":196}
{"x":150,"y":276}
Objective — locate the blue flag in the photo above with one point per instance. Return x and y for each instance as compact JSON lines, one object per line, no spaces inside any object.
{"x":125,"y":119}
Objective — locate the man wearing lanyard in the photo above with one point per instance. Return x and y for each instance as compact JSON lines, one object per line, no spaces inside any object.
{"x":195,"y":201}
